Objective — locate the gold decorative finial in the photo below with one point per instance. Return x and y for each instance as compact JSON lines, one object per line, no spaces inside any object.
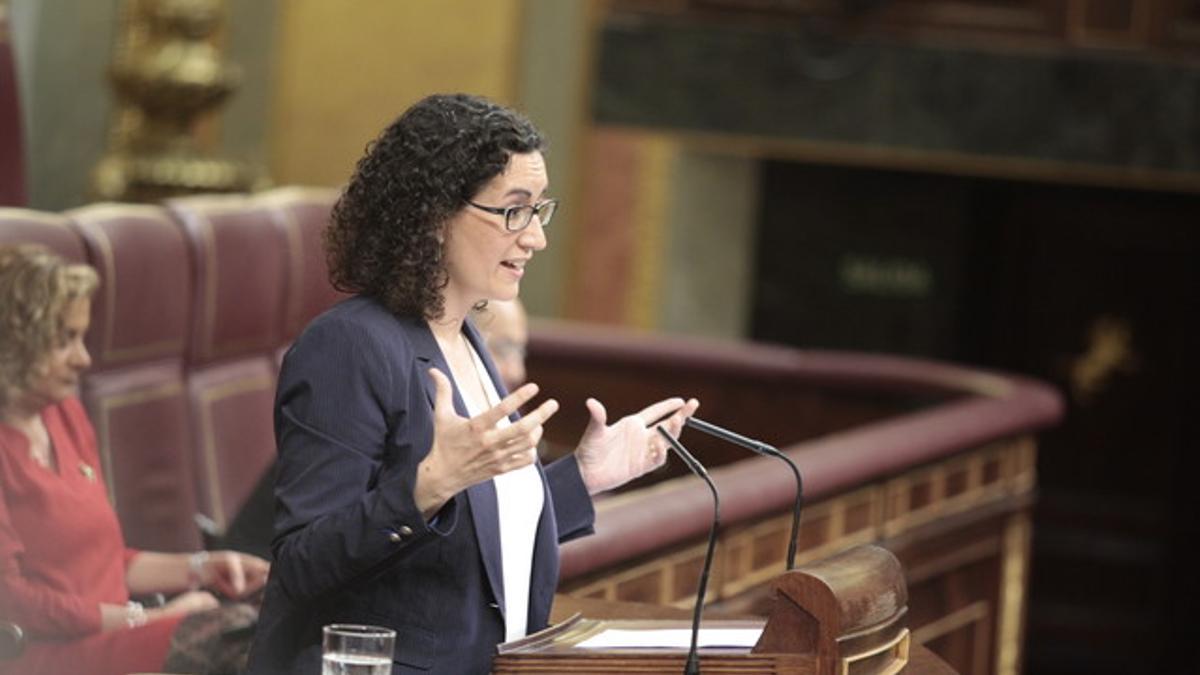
{"x":167,"y":75}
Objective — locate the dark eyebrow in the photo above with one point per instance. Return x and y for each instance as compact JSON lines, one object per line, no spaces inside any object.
{"x":526,"y":193}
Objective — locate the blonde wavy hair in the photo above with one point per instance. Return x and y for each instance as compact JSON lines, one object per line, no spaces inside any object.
{"x":35,"y":288}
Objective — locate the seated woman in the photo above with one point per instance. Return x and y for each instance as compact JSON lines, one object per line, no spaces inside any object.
{"x":66,"y":575}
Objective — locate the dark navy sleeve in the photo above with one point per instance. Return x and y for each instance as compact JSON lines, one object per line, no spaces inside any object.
{"x":573,"y":510}
{"x":349,"y":443}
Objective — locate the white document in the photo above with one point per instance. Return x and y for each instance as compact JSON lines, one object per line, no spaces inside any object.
{"x":672,"y":638}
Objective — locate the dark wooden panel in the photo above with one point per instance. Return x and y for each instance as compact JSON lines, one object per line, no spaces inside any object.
{"x":1097,"y":285}
{"x":1088,"y":288}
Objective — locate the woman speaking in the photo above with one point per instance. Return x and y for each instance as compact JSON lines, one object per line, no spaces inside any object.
{"x":409,"y":494}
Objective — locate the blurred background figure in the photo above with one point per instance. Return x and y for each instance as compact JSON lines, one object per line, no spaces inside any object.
{"x":505,"y":328}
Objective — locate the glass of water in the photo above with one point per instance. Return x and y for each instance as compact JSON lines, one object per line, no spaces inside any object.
{"x":348,"y":649}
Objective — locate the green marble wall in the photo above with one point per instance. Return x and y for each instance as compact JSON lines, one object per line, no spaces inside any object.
{"x":1109,"y":109}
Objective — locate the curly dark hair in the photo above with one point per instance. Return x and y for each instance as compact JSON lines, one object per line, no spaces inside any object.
{"x":383,"y":240}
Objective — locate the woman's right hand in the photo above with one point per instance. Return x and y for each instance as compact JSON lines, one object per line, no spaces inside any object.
{"x":467,"y":451}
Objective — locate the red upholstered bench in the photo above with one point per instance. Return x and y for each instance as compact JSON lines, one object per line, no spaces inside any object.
{"x":199,"y":298}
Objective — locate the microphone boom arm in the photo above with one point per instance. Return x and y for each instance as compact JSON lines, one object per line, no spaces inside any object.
{"x":693,"y":659}
{"x":769,"y":451}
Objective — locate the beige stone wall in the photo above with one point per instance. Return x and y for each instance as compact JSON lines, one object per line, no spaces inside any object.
{"x":345,"y":70}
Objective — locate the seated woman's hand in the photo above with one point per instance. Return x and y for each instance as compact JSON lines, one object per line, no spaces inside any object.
{"x":185,"y":603}
{"x":233,"y":574}
{"x":612,"y":455}
{"x":469,"y":451}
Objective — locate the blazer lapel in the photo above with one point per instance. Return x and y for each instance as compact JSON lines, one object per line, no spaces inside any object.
{"x":482,"y":496}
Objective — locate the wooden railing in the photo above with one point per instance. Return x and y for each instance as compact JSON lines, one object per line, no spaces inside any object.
{"x":934,"y":461}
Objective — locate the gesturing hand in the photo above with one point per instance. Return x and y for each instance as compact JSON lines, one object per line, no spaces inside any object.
{"x":469,"y":451}
{"x":609,"y":456}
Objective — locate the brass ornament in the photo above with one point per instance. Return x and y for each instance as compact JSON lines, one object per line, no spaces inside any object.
{"x":167,"y":75}
{"x":1109,"y":351}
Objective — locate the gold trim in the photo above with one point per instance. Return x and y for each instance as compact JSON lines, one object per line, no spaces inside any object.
{"x":939,"y":161}
{"x":580,"y":132}
{"x":656,"y":158}
{"x":945,"y":625}
{"x":207,"y":398}
{"x":39,"y":217}
{"x":112,"y":210}
{"x":110,"y":289}
{"x":898,"y":643}
{"x":109,"y":403}
{"x":1017,"y":535}
{"x":978,"y":616}
{"x":210,"y":281}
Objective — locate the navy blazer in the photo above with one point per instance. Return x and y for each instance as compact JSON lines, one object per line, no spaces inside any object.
{"x":353,"y":418}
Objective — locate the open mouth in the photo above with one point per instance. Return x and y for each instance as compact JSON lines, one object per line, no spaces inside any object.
{"x":516,"y":265}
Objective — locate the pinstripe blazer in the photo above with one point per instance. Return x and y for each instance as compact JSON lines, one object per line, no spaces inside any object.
{"x":353,"y":418}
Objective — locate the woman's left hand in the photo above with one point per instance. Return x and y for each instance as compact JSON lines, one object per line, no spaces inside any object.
{"x":609,"y":456}
{"x":234,"y":574}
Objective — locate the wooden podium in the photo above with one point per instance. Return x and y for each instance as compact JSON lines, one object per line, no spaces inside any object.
{"x":844,"y":615}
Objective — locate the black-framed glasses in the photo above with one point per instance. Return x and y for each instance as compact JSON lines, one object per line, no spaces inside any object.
{"x":517,"y":218}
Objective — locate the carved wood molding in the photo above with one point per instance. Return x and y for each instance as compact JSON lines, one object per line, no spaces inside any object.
{"x":750,"y":555}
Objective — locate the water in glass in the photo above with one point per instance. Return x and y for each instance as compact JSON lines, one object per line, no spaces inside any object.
{"x":341,"y":663}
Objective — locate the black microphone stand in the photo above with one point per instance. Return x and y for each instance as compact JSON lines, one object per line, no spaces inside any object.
{"x":769,"y":451}
{"x":693,"y":658}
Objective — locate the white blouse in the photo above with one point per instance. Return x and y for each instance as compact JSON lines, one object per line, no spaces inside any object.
{"x":520,"y":497}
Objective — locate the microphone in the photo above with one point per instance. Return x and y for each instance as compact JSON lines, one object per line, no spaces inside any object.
{"x":693,"y":658}
{"x":769,"y":451}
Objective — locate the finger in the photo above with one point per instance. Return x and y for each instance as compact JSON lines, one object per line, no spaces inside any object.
{"x":524,"y":440}
{"x":256,"y":576}
{"x":237,"y":575}
{"x":676,"y":421}
{"x":209,"y":601}
{"x":508,"y":406}
{"x":656,"y":411}
{"x":223,"y":574}
{"x":517,"y":460}
{"x":540,"y":414}
{"x":599,"y":416}
{"x":658,"y":453}
{"x":443,"y":400}
{"x":526,"y":424}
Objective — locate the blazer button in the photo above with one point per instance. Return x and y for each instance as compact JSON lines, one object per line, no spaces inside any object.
{"x":405,"y":531}
{"x":394,"y":537}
